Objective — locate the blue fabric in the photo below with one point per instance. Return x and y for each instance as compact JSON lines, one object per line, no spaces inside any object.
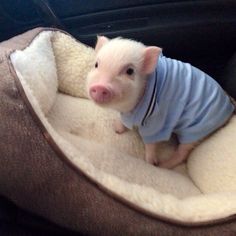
{"x":180,"y":99}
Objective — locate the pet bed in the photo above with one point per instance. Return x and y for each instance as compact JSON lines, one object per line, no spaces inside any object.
{"x":61,"y":159}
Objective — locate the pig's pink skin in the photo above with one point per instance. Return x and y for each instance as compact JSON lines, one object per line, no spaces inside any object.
{"x":100,"y":94}
{"x":109,"y":84}
{"x":119,"y":86}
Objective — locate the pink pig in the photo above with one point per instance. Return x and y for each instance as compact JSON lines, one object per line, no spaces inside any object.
{"x":121,"y":80}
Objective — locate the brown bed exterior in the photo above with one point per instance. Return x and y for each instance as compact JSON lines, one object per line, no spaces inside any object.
{"x":34,"y":177}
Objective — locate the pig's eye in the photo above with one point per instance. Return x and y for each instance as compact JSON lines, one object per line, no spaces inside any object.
{"x":96,"y":65}
{"x":129,"y":71}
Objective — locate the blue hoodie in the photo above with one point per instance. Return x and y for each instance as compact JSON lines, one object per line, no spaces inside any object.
{"x":180,"y":99}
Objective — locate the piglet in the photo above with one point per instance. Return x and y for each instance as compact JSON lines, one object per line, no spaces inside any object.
{"x":158,"y":95}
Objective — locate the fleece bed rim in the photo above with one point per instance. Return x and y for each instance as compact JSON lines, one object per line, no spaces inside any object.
{"x":59,"y":152}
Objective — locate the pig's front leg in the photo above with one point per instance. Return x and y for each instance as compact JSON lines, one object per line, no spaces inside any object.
{"x":180,"y":155}
{"x":119,"y":127}
{"x":151,"y":150}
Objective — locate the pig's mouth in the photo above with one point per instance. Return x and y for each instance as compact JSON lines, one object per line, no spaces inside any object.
{"x":101,"y":101}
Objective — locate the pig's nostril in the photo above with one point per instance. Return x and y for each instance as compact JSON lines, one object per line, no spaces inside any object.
{"x":93,"y":91}
{"x":105,"y":93}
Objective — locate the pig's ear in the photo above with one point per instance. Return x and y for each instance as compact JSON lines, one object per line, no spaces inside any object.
{"x":151,"y":55}
{"x":101,"y":40}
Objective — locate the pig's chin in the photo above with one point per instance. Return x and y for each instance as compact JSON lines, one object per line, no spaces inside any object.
{"x":100,"y":101}
{"x":111,"y":104}
{"x":120,"y":105}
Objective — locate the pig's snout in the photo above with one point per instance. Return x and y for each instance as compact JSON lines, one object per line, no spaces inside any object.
{"x":100,"y":94}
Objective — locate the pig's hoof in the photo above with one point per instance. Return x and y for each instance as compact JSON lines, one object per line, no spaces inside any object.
{"x":120,"y":131}
{"x":119,"y":127}
{"x":166,"y":166}
{"x":153,"y":161}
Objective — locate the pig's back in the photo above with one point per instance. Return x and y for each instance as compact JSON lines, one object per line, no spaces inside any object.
{"x":203,"y":103}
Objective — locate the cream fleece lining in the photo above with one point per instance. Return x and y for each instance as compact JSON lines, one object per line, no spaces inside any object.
{"x":84,"y":133}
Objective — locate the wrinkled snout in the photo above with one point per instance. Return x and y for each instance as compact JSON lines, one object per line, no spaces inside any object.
{"x":100,"y":94}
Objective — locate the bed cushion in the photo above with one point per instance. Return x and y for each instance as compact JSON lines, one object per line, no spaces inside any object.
{"x":63,"y":161}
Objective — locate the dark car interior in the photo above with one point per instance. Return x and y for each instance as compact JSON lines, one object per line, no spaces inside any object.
{"x":201,"y":32}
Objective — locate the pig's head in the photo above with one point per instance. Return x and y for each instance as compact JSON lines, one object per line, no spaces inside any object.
{"x":120,"y":71}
